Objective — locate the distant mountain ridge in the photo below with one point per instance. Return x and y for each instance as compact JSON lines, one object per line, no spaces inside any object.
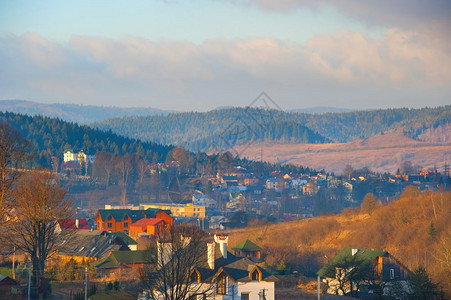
{"x":220,"y":129}
{"x":320,"y":110}
{"x":199,"y":131}
{"x":82,"y":114}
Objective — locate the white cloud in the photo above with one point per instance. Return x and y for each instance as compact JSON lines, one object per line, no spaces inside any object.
{"x":172,"y":72}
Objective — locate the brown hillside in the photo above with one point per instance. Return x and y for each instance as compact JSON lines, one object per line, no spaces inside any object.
{"x":382,"y":153}
{"x":402,"y":228}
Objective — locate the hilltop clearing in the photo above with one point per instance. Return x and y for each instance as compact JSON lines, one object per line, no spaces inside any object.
{"x":381,"y":153}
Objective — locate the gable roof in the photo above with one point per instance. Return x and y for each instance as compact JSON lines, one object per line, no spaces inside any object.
{"x":147,"y":221}
{"x":247,"y":245}
{"x":86,"y":243}
{"x":117,"y":258}
{"x":363,"y":254}
{"x":72,"y":224}
{"x":237,"y":268}
{"x":119,"y":214}
{"x":124,"y":237}
{"x":241,"y":269}
{"x":6,"y":280}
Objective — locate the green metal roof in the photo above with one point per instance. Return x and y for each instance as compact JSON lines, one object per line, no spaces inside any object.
{"x":247,"y":245}
{"x":119,"y":214}
{"x":124,"y":257}
{"x":362,"y":254}
{"x":151,"y":212}
{"x":125,"y":238}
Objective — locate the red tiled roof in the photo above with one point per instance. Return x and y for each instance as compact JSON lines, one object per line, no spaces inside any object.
{"x":147,"y":221}
{"x":71,"y":224}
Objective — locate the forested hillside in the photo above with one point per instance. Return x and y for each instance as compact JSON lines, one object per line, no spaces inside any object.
{"x":198,"y":131}
{"x":82,"y":114}
{"x":51,"y":136}
{"x":414,"y":229}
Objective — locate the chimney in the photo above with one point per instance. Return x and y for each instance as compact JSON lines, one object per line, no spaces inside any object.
{"x":354,"y":251}
{"x":222,"y":239}
{"x":77,"y":224}
{"x":164,"y":252}
{"x":211,"y":254}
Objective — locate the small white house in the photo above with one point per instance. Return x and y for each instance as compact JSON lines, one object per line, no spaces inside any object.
{"x":70,"y":156}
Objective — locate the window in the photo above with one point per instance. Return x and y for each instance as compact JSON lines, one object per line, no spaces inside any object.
{"x":109,"y":218}
{"x":392,"y":273}
{"x":255,"y":275}
{"x":125,"y":225}
{"x":126,"y":217}
{"x":221,"y":285}
{"x":110,"y":225}
{"x":244,"y":296}
{"x":194,"y":277}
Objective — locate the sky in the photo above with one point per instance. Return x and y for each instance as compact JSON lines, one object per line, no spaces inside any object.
{"x":196,"y":55}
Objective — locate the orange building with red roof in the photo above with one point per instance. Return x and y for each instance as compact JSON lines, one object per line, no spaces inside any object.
{"x":150,"y":226}
{"x":121,"y":219}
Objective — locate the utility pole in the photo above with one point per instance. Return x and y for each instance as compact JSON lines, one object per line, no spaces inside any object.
{"x":319,"y":289}
{"x":14,"y":262}
{"x":29,"y":283}
{"x":86,"y":282}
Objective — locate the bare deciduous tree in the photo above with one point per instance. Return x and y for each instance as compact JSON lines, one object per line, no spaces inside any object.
{"x":38,"y":203}
{"x":103,"y":166}
{"x":178,"y":252}
{"x":13,"y":152}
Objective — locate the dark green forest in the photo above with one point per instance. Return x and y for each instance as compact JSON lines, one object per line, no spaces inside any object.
{"x":199,"y":131}
{"x":52,"y":136}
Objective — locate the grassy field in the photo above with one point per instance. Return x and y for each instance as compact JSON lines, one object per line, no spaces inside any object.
{"x":383,"y":153}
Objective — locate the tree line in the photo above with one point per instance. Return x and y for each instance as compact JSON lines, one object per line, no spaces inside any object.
{"x":196,"y":130}
{"x":51,"y":137}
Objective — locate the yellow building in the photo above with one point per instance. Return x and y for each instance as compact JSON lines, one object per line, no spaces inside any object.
{"x":179,"y":210}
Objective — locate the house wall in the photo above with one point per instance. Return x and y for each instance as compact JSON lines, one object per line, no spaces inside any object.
{"x":256,"y":287}
{"x":195,"y":211}
{"x":165,"y":217}
{"x":116,"y":225}
{"x":78,"y":259}
{"x":135,"y":230}
{"x":253,"y":288}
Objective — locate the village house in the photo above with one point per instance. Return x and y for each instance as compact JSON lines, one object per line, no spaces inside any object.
{"x":75,"y":224}
{"x":251,"y":181}
{"x":233,"y":277}
{"x":123,"y":264}
{"x":310,"y":188}
{"x":248,"y":249}
{"x":274,"y":183}
{"x":384,"y":268}
{"x":121,"y":219}
{"x":146,"y":227}
{"x":89,"y":245}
